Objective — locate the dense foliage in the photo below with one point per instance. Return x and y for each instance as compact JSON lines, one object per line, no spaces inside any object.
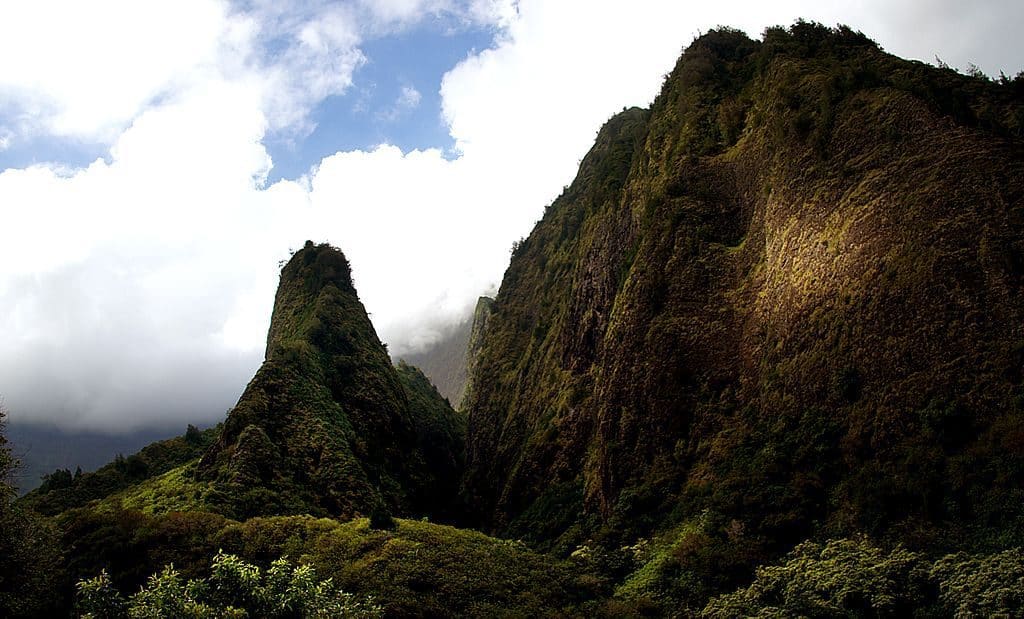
{"x":440,"y":442}
{"x":235,"y":588}
{"x":29,"y":555}
{"x":413,"y":568}
{"x":853,"y":578}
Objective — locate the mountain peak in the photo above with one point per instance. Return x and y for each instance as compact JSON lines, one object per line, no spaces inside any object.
{"x":313,"y":276}
{"x":326,"y":425}
{"x":791,"y":281}
{"x":318,"y":265}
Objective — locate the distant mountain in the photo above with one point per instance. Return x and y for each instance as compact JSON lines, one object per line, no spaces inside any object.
{"x":785,"y":301}
{"x":41,"y":449}
{"x":446,"y":362}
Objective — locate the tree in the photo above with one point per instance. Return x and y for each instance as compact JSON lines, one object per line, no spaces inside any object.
{"x":842,"y":578}
{"x":29,"y":559}
{"x":192,"y":435}
{"x":380,"y":518}
{"x":981,"y":585}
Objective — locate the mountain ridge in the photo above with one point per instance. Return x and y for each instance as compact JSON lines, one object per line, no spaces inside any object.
{"x":777,"y":240}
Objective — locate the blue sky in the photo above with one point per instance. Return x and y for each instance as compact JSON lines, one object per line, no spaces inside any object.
{"x":157,"y":161}
{"x":42,"y":149}
{"x":395,"y":99}
{"x":378,"y":108}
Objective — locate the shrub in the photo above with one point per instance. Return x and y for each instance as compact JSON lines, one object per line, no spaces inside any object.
{"x":235,"y":588}
{"x":843,"y":578}
{"x":981,"y":585}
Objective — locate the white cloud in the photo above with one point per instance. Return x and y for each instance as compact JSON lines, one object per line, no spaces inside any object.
{"x":87,"y":70}
{"x":140,"y":286}
{"x":84,"y":69}
{"x":408,"y":99}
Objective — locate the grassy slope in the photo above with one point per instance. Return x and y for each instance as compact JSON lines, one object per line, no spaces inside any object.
{"x":417,"y":569}
{"x":59,"y":493}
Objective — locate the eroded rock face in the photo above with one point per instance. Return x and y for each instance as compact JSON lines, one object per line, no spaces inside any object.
{"x":790,"y":294}
{"x":327,"y":424}
{"x":474,"y":343}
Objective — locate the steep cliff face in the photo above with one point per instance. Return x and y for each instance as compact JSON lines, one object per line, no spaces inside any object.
{"x":327,"y":425}
{"x":788,"y":296}
{"x":474,"y":343}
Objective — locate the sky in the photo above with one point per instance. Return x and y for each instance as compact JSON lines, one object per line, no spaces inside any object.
{"x":158,"y":160}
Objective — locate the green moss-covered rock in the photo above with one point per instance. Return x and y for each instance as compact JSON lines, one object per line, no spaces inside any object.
{"x":790,"y":295}
{"x":327,"y":426}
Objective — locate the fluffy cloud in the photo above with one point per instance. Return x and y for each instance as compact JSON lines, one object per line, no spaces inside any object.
{"x":84,"y":70}
{"x":138,"y":289}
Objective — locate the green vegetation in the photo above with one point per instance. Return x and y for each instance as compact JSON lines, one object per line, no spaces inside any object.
{"x":981,"y":585}
{"x":426,"y":569}
{"x":234,"y":588}
{"x":440,"y":443}
{"x":411,"y":569}
{"x":853,"y":578}
{"x":61,"y":490}
{"x":30,"y":558}
{"x":683,"y":566}
{"x":175,"y":490}
{"x":785,"y":303}
{"x":481,"y":316}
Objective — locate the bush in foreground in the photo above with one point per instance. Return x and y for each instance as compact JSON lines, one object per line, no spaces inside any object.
{"x":235,"y":588}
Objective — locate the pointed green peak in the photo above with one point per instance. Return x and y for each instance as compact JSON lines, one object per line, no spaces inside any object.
{"x":315,"y":276}
{"x":316,"y":266}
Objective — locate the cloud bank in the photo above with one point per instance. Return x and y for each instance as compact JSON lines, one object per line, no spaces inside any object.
{"x":136,"y":291}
